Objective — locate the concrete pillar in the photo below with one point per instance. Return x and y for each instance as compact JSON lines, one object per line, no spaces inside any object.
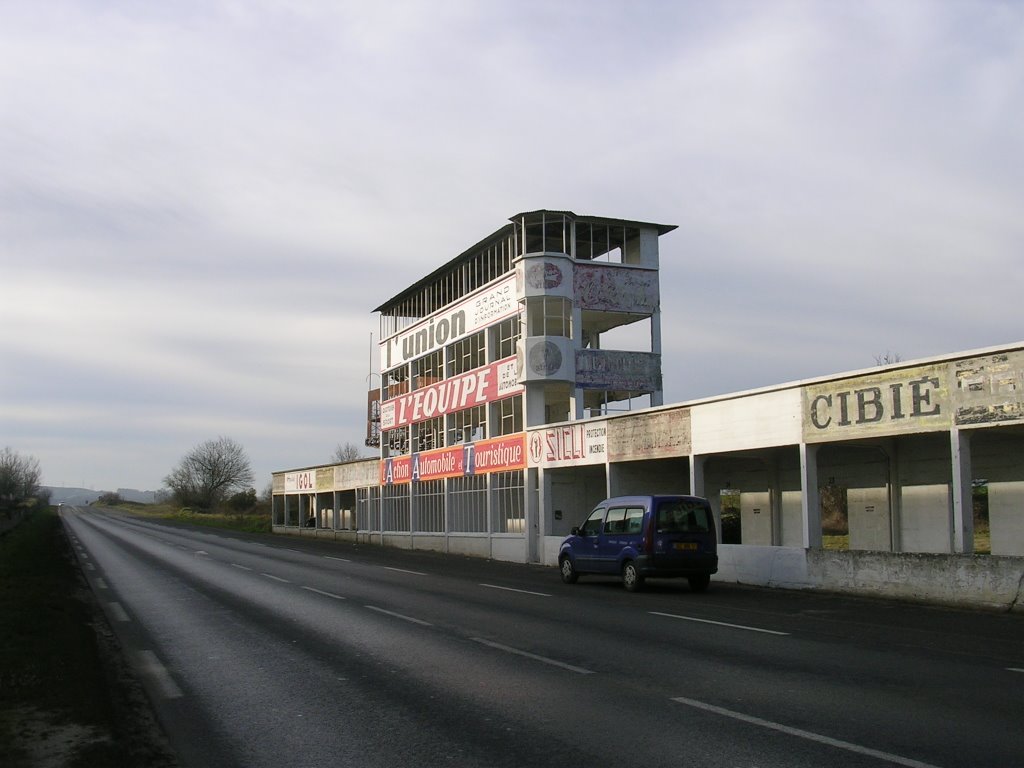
{"x":658,"y":396}
{"x":963,"y":505}
{"x":696,"y":475}
{"x":811,"y":506}
{"x":775,"y":498}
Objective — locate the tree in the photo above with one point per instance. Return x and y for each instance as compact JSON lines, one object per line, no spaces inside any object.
{"x":346,"y":452}
{"x":209,"y":473}
{"x":889,"y":358}
{"x":243,"y":501}
{"x":19,"y":478}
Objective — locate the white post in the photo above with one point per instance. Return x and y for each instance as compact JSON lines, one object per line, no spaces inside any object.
{"x":810,"y":501}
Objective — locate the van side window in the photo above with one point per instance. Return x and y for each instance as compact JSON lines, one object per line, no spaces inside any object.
{"x":616,"y":520}
{"x":634,"y":519}
{"x":592,"y":526}
{"x":683,"y":517}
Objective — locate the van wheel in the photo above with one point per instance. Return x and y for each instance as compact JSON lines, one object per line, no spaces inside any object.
{"x":699,"y":583}
{"x":569,"y":575}
{"x":631,"y":578}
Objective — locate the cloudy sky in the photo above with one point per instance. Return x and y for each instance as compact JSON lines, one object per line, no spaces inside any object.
{"x":202,"y":201}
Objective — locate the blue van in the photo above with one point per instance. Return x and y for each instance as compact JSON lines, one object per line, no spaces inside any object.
{"x":636,"y":537}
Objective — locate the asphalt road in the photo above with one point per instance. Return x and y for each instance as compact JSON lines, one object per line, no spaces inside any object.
{"x":278,"y":651}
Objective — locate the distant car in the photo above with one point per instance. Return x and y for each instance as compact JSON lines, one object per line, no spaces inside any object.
{"x":637,"y":537}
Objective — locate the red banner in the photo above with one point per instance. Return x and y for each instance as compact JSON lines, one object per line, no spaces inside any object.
{"x":501,"y":454}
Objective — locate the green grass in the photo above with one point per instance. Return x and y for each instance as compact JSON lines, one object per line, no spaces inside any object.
{"x":59,"y":691}
{"x":249,"y":522}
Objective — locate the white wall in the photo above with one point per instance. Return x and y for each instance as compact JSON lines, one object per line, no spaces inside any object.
{"x":1006,"y":517}
{"x":756,"y":421}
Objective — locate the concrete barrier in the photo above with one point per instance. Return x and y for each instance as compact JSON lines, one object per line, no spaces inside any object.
{"x":969,"y":581}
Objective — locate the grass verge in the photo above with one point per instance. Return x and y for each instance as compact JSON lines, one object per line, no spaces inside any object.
{"x":249,"y":522}
{"x":66,"y":697}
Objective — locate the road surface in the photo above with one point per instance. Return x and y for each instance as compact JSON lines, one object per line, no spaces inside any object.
{"x":279,"y":651}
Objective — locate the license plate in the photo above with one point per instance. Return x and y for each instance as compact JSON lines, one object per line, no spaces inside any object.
{"x":686,"y":545}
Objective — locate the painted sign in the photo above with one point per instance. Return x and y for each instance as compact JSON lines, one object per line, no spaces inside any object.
{"x":478,"y":311}
{"x":483,"y":385}
{"x":616,"y":288}
{"x":650,"y":436}
{"x":570,"y":445}
{"x":891,"y":402}
{"x":612,"y":369}
{"x":989,"y":389}
{"x":500,"y":454}
{"x":300,"y":482}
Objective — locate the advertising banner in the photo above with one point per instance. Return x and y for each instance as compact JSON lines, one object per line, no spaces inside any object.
{"x":569,"y":445}
{"x":650,"y":436}
{"x":478,"y":311}
{"x":500,"y":454}
{"x":483,"y":385}
{"x":889,"y":403}
{"x":300,"y":482}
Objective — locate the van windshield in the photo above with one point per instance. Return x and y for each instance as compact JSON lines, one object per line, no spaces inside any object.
{"x":680,"y":516}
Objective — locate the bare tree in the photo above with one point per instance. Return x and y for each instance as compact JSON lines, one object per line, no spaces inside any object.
{"x":209,"y":473}
{"x":888,"y":358}
{"x":19,"y":478}
{"x":346,"y":452}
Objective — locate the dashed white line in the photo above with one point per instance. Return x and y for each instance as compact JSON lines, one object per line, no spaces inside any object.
{"x":276,"y":578}
{"x":1014,"y":669}
{"x":719,"y":623}
{"x":117,"y":612}
{"x":149,"y":665}
{"x":512,"y":589}
{"x":910,"y":763}
{"x":241,"y":567}
{"x":341,"y":559}
{"x":534,"y":656}
{"x":403,"y":570}
{"x":325,"y":594}
{"x":399,"y":616}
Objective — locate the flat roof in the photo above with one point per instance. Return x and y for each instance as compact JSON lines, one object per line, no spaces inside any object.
{"x":502,"y":233}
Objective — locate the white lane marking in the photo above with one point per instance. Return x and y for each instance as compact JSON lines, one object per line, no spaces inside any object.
{"x":342,"y":559}
{"x":399,"y":616}
{"x":520,"y":591}
{"x":325,"y":594}
{"x":100,"y":583}
{"x":719,"y":623}
{"x":1014,"y":669}
{"x":534,"y":656}
{"x":804,"y":734}
{"x":150,"y":666}
{"x":403,"y":570}
{"x":201,"y":552}
{"x":118,"y":612}
{"x":241,"y":567}
{"x":276,"y":578}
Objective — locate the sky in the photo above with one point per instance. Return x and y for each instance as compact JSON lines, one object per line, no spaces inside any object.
{"x":202,"y":202}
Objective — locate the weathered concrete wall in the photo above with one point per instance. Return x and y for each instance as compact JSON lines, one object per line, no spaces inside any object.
{"x":976,"y":581}
{"x":1006,"y":517}
{"x":756,"y":518}
{"x":925,"y":518}
{"x":869,"y":518}
{"x":792,"y":519}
